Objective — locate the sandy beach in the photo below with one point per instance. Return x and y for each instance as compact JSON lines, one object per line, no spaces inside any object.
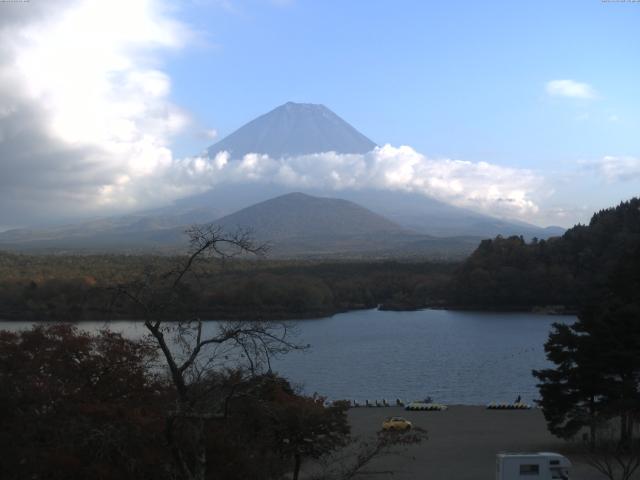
{"x":463,"y":442}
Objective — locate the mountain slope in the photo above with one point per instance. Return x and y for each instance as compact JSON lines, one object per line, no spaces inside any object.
{"x":300,"y":225}
{"x":294,"y":129}
{"x":432,"y":217}
{"x":132,"y":229}
{"x":300,"y":215}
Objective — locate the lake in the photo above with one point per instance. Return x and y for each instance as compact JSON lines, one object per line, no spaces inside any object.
{"x":453,"y":356}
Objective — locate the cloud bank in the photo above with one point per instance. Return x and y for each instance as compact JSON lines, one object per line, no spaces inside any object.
{"x":478,"y":185}
{"x":83,"y":104}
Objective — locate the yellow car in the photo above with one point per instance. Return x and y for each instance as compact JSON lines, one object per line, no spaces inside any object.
{"x":396,"y":423}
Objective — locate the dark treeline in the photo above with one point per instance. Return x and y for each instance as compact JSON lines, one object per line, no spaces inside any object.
{"x":503,"y":273}
{"x":565,"y":271}
{"x":81,"y":287}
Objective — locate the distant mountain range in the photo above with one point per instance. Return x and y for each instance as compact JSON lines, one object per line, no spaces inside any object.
{"x":365,"y":222}
{"x":293,"y":225}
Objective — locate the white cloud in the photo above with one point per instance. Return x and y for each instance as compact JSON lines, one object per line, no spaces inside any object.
{"x":478,"y":185}
{"x":617,"y":168}
{"x":570,"y":88}
{"x":84,"y":106}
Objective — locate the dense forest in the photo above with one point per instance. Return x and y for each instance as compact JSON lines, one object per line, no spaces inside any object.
{"x":557,"y":275}
{"x":562,"y":271}
{"x":82,"y":287}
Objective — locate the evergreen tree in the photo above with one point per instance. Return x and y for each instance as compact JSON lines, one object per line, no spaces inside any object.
{"x":597,"y":373}
{"x":573,"y":392}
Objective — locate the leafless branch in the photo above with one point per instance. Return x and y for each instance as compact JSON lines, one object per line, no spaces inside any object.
{"x":610,"y":457}
{"x":160,"y":300}
{"x":353,"y":463}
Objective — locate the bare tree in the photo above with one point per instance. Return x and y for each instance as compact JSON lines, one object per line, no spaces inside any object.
{"x":167,"y":305}
{"x":352,"y":461}
{"x":614,"y":459}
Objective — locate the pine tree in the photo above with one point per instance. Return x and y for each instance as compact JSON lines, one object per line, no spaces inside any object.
{"x":572,"y":393}
{"x":597,"y":360}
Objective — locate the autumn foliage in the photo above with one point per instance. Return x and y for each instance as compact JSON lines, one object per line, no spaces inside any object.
{"x":75,"y":405}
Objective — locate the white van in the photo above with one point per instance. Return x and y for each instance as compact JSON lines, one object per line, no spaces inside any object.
{"x":532,"y":466}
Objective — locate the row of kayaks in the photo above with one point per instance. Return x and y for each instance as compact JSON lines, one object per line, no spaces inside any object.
{"x":410,"y":406}
{"x":509,"y":406}
{"x":437,"y":407}
{"x":376,"y":403}
{"x":430,"y":406}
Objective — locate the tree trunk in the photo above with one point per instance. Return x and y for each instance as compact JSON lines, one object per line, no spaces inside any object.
{"x":592,"y":425}
{"x":296,"y":467}
{"x":200,"y":467}
{"x":191,"y":464}
{"x":624,"y":430}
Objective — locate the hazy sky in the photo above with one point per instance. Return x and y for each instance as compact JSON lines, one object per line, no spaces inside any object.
{"x":524,"y":109}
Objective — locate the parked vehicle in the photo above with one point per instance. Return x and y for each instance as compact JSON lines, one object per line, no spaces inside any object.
{"x":396,"y":423}
{"x":539,"y":465}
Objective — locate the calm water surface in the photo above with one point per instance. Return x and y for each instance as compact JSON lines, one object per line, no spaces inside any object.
{"x":454,"y":357}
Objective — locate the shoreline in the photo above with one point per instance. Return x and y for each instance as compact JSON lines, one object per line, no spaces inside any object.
{"x":316,"y":315}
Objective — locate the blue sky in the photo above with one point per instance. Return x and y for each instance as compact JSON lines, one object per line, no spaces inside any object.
{"x":527,"y":110}
{"x":462,"y":80}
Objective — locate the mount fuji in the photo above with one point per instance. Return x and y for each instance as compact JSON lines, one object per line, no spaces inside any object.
{"x":313,"y":222}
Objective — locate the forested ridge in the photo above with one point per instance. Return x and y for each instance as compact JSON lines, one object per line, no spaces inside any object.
{"x":562,"y":271}
{"x":559,"y":274}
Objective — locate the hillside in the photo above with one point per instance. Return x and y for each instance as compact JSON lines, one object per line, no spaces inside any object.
{"x":301,"y":215}
{"x":300,"y":225}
